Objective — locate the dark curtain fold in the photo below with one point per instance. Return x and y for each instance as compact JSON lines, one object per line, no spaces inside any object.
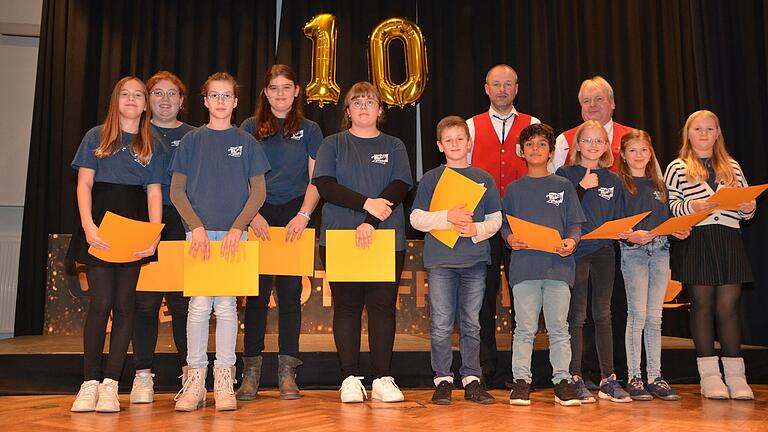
{"x":85,"y":47}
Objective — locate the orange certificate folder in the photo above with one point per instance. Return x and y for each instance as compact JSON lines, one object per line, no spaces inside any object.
{"x":679,"y":223}
{"x":538,"y":237}
{"x":345,"y":262}
{"x":454,"y":189}
{"x":167,"y":273}
{"x":124,"y":236}
{"x":219,"y":276}
{"x":730,"y":197}
{"x":280,"y":257}
{"x":611,"y":229}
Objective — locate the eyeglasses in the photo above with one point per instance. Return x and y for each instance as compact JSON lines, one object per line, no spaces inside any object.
{"x":161,"y":94}
{"x":593,"y":141}
{"x":367,"y":103}
{"x":222,"y":97}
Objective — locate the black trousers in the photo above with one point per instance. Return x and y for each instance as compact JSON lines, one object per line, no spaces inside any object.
{"x":488,"y":352}
{"x":148,"y":307}
{"x":378,"y":299}
{"x":288,"y":290}
{"x":112,"y":290}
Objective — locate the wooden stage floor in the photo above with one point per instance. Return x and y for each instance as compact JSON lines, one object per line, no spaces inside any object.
{"x":320,"y":410}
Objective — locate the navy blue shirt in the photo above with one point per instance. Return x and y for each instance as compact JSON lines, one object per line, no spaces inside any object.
{"x":169,"y":138}
{"x":366,"y":166}
{"x":549,"y":201}
{"x":646,"y":198}
{"x":601,"y":204}
{"x":121,"y":167}
{"x":218,"y":164}
{"x":465,"y":252}
{"x":289,"y":176}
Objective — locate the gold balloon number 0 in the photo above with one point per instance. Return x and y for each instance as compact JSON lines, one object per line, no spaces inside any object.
{"x":322,"y":88}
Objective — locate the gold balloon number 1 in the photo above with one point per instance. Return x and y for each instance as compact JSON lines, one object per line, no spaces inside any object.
{"x":322,"y":88}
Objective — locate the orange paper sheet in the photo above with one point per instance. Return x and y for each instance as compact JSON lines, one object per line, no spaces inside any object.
{"x":219,"y":276}
{"x":454,"y":189}
{"x":284,"y":258}
{"x":346,"y":262}
{"x":728,"y":198}
{"x":611,"y":229}
{"x":125,"y":237}
{"x":537,"y":236}
{"x":679,"y":223}
{"x":167,"y":273}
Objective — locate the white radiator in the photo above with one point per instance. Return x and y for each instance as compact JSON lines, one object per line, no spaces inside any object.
{"x":9,"y":273}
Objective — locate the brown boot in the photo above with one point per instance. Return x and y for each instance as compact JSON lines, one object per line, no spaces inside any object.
{"x":223,"y":391}
{"x":251,"y":378}
{"x":286,"y":376}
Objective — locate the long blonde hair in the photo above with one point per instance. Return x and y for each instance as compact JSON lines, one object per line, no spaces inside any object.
{"x":650,"y":168}
{"x":695,"y":171}
{"x":606,"y":159}
{"x":111,"y":134}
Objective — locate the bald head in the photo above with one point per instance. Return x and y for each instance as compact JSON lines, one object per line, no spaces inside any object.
{"x":501,"y":88}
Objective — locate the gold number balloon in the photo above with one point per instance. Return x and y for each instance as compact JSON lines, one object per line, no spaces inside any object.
{"x":321,"y":29}
{"x":409,"y":91}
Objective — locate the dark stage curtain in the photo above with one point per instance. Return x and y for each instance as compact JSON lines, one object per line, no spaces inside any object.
{"x":665,"y":59}
{"x":85,"y":47}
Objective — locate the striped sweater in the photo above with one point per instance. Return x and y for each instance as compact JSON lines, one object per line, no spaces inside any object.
{"x":682,"y":192}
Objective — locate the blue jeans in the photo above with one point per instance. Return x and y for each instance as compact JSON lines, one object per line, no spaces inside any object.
{"x":456,"y":294}
{"x":225,"y":308}
{"x":646,"y":274}
{"x":529,"y":297}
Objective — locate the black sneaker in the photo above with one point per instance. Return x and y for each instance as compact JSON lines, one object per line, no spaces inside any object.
{"x":442,"y":394}
{"x":473,"y":392}
{"x":662,"y":390}
{"x":520,"y":394}
{"x":565,"y":393}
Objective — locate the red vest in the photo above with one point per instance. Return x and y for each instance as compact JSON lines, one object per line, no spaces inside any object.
{"x":500,"y":161}
{"x":618,"y":131}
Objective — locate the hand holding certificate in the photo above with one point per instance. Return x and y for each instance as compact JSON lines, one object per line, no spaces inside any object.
{"x":729,"y":198}
{"x":346,"y":262}
{"x":536,"y":237}
{"x":679,"y":223}
{"x":280,"y":256}
{"x":125,"y":238}
{"x":452,"y":190}
{"x":611,"y":229}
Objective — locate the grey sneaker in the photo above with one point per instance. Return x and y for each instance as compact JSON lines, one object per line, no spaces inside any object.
{"x":581,"y":391}
{"x":610,"y":389}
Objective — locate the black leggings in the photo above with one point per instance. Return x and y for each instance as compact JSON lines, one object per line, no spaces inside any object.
{"x":145,"y":326}
{"x":379,"y":300}
{"x":112,"y":290}
{"x":715,"y":304}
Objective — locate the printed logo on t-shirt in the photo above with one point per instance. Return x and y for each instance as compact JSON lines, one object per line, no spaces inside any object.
{"x":605,"y":193}
{"x":235,"y":151}
{"x":298,"y":135}
{"x":656,"y":195}
{"x":555,"y":198}
{"x":175,"y":143}
{"x":381,"y":158}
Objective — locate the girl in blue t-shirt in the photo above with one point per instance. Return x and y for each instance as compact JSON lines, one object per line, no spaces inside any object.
{"x":644,"y":264}
{"x":600,"y":192}
{"x":115,"y":163}
{"x":363,"y":175}
{"x":290,"y":142}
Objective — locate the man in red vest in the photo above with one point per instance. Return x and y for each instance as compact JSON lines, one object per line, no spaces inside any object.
{"x":495,"y":134}
{"x":596,"y":100}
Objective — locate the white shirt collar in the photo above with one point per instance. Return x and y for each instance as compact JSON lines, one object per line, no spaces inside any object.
{"x":492,"y":112}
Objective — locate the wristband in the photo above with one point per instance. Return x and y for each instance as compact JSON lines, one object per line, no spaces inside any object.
{"x":307,"y":215}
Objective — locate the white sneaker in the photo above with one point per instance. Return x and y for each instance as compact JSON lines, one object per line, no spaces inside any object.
{"x":143,"y":390}
{"x":352,"y":390}
{"x":108,"y":400}
{"x":87,"y":397}
{"x":385,"y":390}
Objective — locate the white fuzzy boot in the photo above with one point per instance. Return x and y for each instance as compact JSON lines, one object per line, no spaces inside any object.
{"x":735,"y":378}
{"x":712,"y":385}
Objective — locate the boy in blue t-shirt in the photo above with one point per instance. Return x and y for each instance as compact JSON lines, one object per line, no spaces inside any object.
{"x":542,"y":279}
{"x":457,"y":275}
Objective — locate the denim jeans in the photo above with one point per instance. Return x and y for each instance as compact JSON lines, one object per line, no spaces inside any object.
{"x":529,"y":297}
{"x":225,"y":308}
{"x":456,"y":294}
{"x":646,"y":274}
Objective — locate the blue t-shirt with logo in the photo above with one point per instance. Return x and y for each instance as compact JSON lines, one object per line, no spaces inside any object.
{"x":601,"y":204}
{"x":289,"y":176}
{"x":169,"y":138}
{"x":366,"y":166}
{"x":218,"y":164}
{"x":646,"y":198}
{"x":121,"y":167}
{"x":549,"y":201}
{"x":465,"y":252}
